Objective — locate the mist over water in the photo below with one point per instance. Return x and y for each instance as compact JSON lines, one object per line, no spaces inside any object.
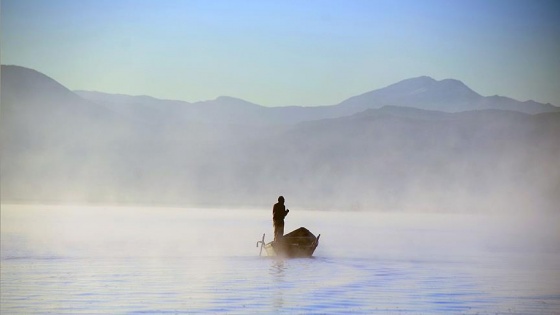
{"x":96,"y":259}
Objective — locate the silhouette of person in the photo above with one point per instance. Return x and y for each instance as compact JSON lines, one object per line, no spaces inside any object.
{"x":279,"y":212}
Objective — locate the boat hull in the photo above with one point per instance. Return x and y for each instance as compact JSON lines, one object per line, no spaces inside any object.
{"x":298,"y":243}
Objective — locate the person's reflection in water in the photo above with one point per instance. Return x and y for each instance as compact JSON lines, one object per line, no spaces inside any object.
{"x":279,"y":212}
{"x":277,"y":272}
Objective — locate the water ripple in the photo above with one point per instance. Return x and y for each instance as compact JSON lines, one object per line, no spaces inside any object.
{"x":259,"y":285}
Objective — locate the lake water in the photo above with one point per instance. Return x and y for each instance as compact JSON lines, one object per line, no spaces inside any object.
{"x":127,"y":260}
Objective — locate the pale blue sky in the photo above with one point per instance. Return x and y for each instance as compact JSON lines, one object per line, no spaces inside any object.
{"x":275,"y":53}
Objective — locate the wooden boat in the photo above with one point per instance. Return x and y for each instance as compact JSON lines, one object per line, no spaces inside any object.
{"x":298,"y":243}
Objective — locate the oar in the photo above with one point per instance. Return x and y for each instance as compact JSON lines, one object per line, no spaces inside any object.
{"x":262,"y":244}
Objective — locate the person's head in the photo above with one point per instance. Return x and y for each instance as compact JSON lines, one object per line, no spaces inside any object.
{"x":281,"y":199}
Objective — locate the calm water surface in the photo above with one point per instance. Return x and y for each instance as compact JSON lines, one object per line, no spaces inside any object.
{"x":101,"y":260}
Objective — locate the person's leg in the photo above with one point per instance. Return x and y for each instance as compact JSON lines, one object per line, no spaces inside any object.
{"x":281,"y":232}
{"x":278,"y":231}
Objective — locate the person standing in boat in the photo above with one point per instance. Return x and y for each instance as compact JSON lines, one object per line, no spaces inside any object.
{"x":279,"y":212}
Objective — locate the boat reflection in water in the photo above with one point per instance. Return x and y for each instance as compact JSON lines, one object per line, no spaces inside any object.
{"x":298,"y":243}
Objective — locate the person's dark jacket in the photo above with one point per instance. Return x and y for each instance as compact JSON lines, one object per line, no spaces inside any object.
{"x":279,"y":213}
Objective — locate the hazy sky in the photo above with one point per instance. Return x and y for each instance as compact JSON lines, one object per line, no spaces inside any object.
{"x":300,"y":52}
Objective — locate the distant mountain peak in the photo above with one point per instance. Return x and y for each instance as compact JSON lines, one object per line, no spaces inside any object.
{"x":455,"y":84}
{"x":224,"y":98}
{"x":452,"y":81}
{"x":423,"y":92}
{"x":421,"y":79}
{"x":229,"y":101}
{"x":24,"y":77}
{"x":426,"y":82}
{"x":412,"y":83}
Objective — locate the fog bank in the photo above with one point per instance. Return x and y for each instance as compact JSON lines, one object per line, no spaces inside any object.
{"x":59,"y":147}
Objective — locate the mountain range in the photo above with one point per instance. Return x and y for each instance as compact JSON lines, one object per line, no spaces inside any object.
{"x":423,"y":92}
{"x":416,"y":144}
